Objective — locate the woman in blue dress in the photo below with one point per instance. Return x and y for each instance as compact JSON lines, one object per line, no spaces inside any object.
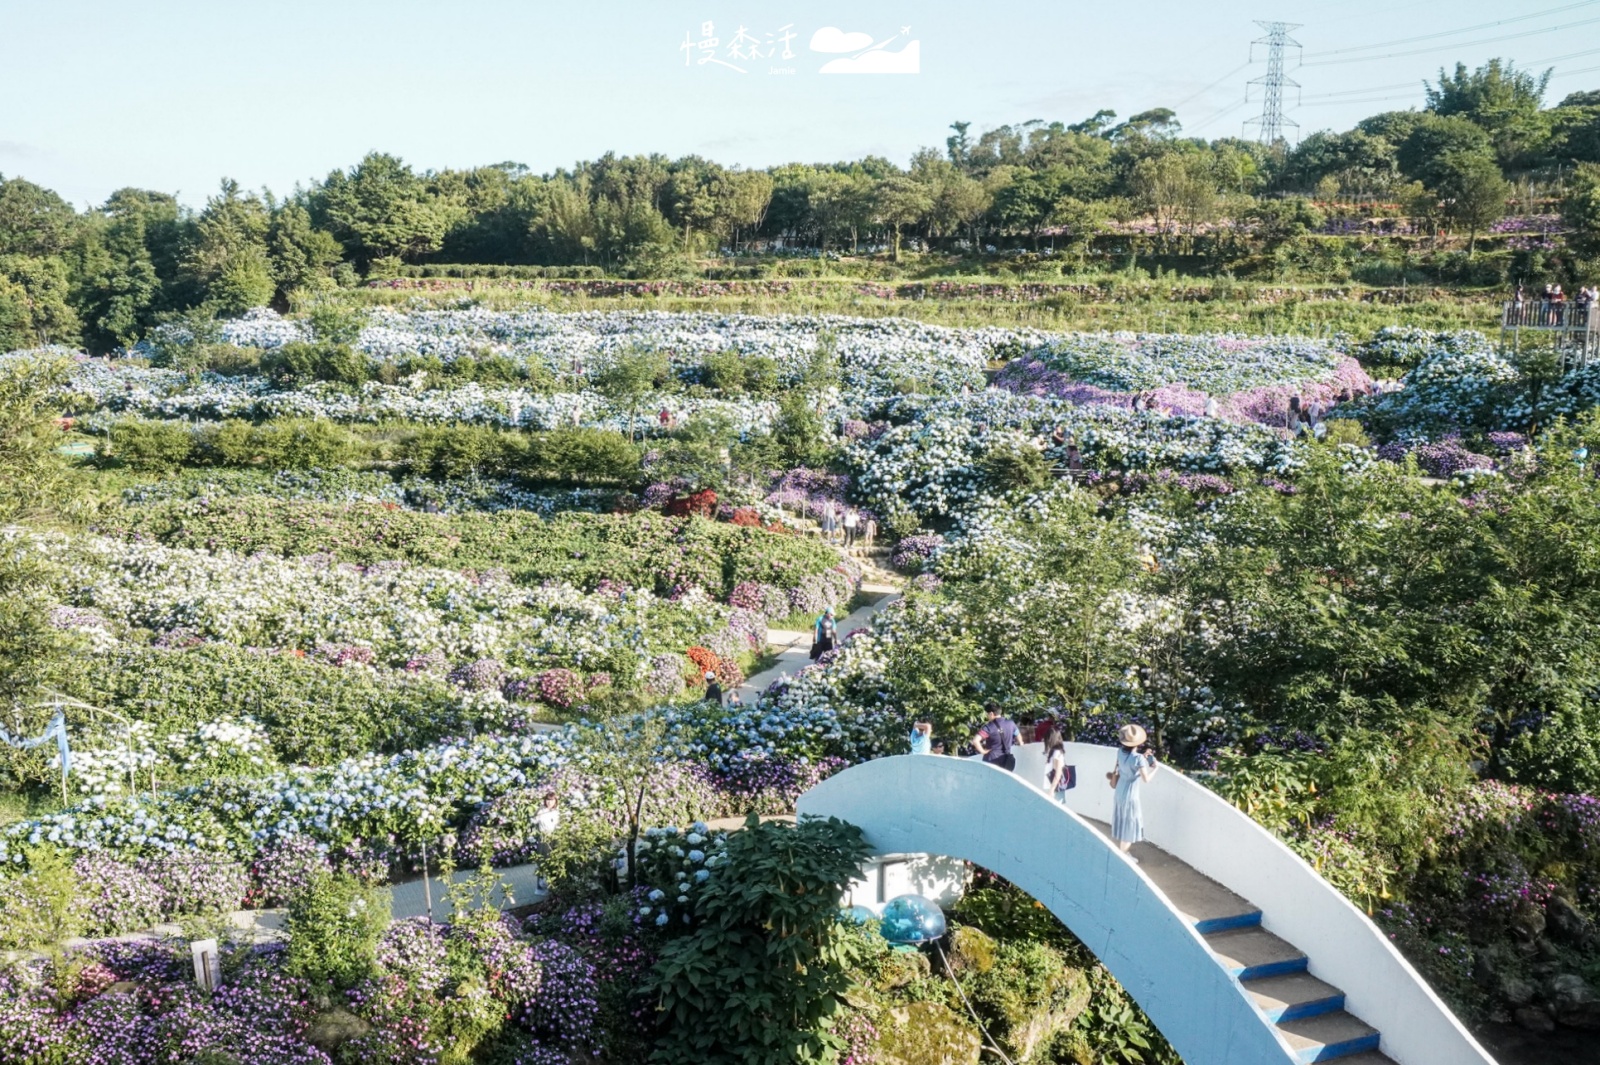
{"x":1134,"y":767}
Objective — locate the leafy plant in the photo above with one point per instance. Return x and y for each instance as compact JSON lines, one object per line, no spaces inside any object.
{"x":767,"y":957}
{"x":334,"y":926}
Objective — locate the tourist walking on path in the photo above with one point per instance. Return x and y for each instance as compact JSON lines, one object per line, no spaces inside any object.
{"x":825,"y":633}
{"x":852,"y":521}
{"x":1059,"y":777}
{"x":713,"y":689}
{"x":922,"y":737}
{"x":1134,"y":767}
{"x":995,"y":739}
{"x":828,"y":522}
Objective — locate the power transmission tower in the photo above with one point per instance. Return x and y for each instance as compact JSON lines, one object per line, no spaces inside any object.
{"x":1273,"y":81}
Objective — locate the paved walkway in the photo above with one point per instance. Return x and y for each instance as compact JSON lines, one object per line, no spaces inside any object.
{"x":411,"y":899}
{"x":794,"y":648}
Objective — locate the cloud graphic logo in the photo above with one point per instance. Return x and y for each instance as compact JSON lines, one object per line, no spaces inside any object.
{"x":833,"y":40}
{"x":878,"y":60}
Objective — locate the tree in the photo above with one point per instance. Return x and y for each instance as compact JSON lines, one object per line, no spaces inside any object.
{"x":33,"y":221}
{"x":768,"y":956}
{"x":1472,"y":191}
{"x":35,"y":302}
{"x":1580,"y":210}
{"x":127,"y":262}
{"x":380,"y":208}
{"x":301,"y":256}
{"x":899,"y":201}
{"x":1055,"y":579}
{"x":1492,"y":95}
{"x":227,"y":262}
{"x":630,"y":378}
{"x":1422,"y":152}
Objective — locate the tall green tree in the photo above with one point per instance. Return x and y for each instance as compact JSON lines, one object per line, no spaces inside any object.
{"x":380,"y":208}
{"x":1473,"y":192}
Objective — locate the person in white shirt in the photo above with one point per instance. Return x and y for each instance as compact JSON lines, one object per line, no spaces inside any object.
{"x":549,"y":816}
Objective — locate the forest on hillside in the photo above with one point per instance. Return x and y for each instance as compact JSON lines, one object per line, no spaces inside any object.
{"x":1484,"y":152}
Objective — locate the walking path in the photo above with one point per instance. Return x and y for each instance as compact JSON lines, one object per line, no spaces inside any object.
{"x":412,"y":898}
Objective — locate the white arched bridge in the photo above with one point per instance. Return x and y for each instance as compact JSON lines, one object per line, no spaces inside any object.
{"x":1240,"y":953}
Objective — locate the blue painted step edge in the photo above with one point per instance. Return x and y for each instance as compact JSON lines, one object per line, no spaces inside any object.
{"x":1302,"y":1010}
{"x":1271,"y":968}
{"x":1334,"y":1051}
{"x":1227,"y":924}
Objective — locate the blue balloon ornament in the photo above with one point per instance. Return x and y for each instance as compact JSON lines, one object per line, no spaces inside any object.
{"x":911,"y":919}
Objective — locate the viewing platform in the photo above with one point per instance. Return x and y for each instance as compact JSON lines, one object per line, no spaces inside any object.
{"x":1575,"y":327}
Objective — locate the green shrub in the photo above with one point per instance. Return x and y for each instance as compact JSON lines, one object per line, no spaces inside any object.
{"x":304,"y":444}
{"x":583,"y":455}
{"x":149,"y":445}
{"x":1015,"y":468}
{"x":37,"y":907}
{"x":334,"y":925}
{"x":767,"y":959}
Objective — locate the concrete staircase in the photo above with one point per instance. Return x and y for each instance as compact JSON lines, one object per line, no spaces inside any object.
{"x":1308,"y":1013}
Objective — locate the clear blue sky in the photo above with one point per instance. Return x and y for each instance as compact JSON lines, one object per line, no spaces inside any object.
{"x":174,"y":96}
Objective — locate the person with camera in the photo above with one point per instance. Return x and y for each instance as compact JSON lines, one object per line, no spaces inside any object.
{"x":1136,"y":763}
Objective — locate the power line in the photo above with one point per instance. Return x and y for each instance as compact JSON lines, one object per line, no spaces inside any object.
{"x":1209,"y":119}
{"x":1360,"y":92}
{"x":1451,"y":33}
{"x":1407,"y":84}
{"x":1458,"y":44}
{"x":1213,"y":85}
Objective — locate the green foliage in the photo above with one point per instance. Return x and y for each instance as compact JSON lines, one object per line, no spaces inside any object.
{"x":33,"y":478}
{"x":1580,"y":209}
{"x":1027,"y":996}
{"x":1015,"y":469}
{"x":38,"y":908}
{"x":334,"y":926}
{"x":799,"y":433}
{"x":579,"y":548}
{"x":314,"y":713}
{"x":630,"y":378}
{"x":151,"y":446}
{"x":767,"y":958}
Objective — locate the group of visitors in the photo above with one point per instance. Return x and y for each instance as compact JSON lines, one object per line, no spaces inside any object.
{"x":1550,"y":308}
{"x":998,"y":738}
{"x":714,"y":694}
{"x":847,"y":526}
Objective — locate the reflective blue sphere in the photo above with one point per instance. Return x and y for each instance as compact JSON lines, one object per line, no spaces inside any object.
{"x":911,"y":919}
{"x":857,"y":915}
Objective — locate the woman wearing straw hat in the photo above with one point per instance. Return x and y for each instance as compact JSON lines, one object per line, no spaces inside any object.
{"x":1134,"y":767}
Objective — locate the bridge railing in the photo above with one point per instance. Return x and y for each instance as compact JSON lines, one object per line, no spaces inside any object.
{"x":1571,"y":317}
{"x":1200,"y":828}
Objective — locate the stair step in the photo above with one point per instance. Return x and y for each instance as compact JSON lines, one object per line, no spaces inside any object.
{"x":1252,"y":953}
{"x":1293,"y":996}
{"x":1366,"y":1057}
{"x":1206,"y":904}
{"x":1329,"y":1037}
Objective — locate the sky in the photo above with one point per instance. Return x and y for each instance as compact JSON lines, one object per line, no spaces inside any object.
{"x":175,"y":96}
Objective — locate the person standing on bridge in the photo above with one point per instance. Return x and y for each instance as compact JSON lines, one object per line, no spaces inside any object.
{"x":1058,"y":775}
{"x":1134,"y":767}
{"x":995,"y":739}
{"x":922,"y":737}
